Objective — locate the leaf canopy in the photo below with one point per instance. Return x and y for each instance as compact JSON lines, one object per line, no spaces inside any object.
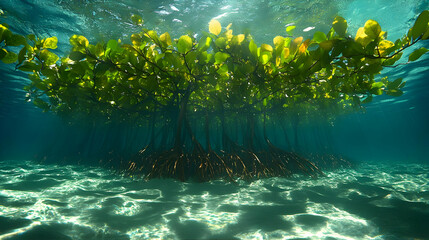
{"x":220,"y":71}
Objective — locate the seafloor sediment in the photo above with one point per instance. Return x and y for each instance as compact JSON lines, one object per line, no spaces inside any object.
{"x":371,"y":201}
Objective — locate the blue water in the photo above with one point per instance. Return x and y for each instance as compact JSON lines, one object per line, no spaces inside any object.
{"x":385,"y":196}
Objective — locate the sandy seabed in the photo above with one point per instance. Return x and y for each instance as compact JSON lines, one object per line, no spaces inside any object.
{"x":370,"y":201}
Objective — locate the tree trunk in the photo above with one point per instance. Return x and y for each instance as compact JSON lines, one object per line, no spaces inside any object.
{"x":180,"y":121}
{"x":250,"y":132}
{"x":207,"y":131}
{"x":295,"y":122}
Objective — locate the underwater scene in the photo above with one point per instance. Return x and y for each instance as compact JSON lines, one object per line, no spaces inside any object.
{"x":185,"y":119}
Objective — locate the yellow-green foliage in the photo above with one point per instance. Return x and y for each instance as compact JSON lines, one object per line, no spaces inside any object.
{"x":219,"y":70}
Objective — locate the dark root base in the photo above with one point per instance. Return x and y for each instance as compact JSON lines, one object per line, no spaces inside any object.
{"x":202,"y":166}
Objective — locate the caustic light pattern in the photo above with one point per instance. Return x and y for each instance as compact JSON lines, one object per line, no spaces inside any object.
{"x":373,"y":201}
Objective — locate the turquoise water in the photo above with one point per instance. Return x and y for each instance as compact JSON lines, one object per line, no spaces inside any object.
{"x":46,"y":194}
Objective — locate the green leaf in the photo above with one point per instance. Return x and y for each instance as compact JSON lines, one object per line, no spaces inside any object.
{"x":215,"y":27}
{"x":417,"y":54}
{"x":290,"y":30}
{"x":391,"y":61}
{"x":385,"y":47}
{"x":99,"y":50}
{"x":288,"y":41}
{"x":377,"y":85}
{"x":426,"y":35}
{"x":204,"y":44}
{"x":48,"y":58}
{"x":79,"y":43}
{"x":223,"y":70}
{"x":372,"y":29}
{"x":21,"y":54}
{"x":265,"y":57}
{"x":279,"y":41}
{"x":101,"y":68}
{"x":5,"y":33}
{"x":395,"y":92}
{"x":10,"y":57}
{"x":266,"y":48}
{"x":28,"y":66}
{"x":362,"y":38}
{"x":136,"y":39}
{"x":80,"y":68}
{"x":32,"y":37}
{"x":319,"y":37}
{"x":209,"y":58}
{"x":165,"y":39}
{"x":50,"y":43}
{"x":237,"y":40}
{"x":2,"y":29}
{"x":421,"y":25}
{"x":173,"y":59}
{"x":152,"y":35}
{"x":191,"y":57}
{"x":352,"y":49}
{"x":136,"y":19}
{"x":327,"y":45}
{"x":220,"y":57}
{"x":395,"y":84}
{"x":76,"y":56}
{"x":253,"y":48}
{"x":3,"y":52}
{"x":220,"y":42}
{"x":15,"y":40}
{"x":35,"y":78}
{"x":376,"y":91}
{"x":112,"y":44}
{"x":279,"y":44}
{"x":340,"y":26}
{"x":376,"y":88}
{"x":184,"y":44}
{"x":202,"y":57}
